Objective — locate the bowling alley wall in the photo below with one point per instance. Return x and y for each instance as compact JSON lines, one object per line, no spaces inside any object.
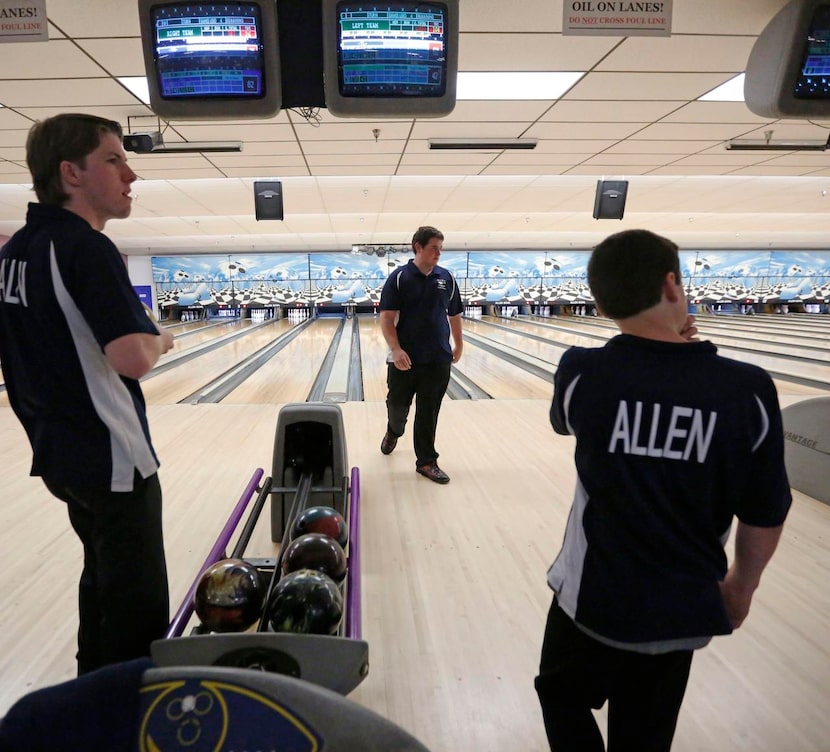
{"x":329,"y":281}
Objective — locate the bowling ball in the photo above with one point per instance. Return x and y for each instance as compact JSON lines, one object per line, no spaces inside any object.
{"x":315,"y":551}
{"x":229,"y":596}
{"x":325,"y":520}
{"x":305,"y":601}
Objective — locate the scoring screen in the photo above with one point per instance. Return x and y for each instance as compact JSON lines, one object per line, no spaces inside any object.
{"x":813,"y":81}
{"x":388,"y":52}
{"x":209,"y":51}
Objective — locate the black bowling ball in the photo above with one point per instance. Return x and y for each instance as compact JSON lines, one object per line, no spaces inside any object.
{"x":305,"y":601}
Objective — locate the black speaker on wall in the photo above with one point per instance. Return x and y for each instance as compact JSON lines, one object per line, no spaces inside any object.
{"x":268,"y":199}
{"x":609,"y":202}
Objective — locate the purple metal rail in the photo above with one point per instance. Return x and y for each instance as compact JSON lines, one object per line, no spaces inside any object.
{"x":217,"y":553}
{"x":353,"y":598}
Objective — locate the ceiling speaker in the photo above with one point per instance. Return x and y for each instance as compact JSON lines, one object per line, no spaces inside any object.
{"x":268,"y":199}
{"x":609,"y":202}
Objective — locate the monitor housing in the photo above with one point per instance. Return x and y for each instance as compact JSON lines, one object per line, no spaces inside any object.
{"x":388,"y":59}
{"x":788,"y":71}
{"x":211,"y":60}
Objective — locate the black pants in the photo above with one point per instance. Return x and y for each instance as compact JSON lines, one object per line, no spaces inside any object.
{"x":577,"y":673}
{"x":122,"y":595}
{"x":427,"y":384}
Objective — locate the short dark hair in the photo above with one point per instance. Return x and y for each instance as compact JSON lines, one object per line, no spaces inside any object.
{"x":627,"y":269}
{"x":65,"y":137}
{"x":424,"y":234}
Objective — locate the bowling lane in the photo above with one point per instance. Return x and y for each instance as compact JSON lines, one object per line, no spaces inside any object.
{"x":173,"y":385}
{"x":373,"y":352}
{"x":803,"y":341}
{"x":290,"y":374}
{"x":499,"y":378}
{"x":811,"y":331}
{"x":201,"y":333}
{"x":549,"y":350}
{"x":805,"y":344}
{"x":562,"y":332}
{"x":789,"y":391}
{"x":795,"y":323}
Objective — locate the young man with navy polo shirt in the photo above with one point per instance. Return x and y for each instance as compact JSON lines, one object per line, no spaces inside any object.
{"x":420,"y":307}
{"x":74,"y":340}
{"x":672,"y":442}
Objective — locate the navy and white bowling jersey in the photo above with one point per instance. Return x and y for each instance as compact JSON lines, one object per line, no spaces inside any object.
{"x":423,"y":302}
{"x":64,"y":295}
{"x":672,"y":441}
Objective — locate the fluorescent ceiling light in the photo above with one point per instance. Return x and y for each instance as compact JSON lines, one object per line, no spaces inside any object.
{"x":762,"y":144}
{"x":482,"y":144}
{"x":514,"y":84}
{"x":138,"y":86}
{"x":200,"y":147}
{"x":731,"y":91}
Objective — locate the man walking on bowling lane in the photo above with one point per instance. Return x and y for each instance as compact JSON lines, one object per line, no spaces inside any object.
{"x":420,"y":306}
{"x":672,"y":442}
{"x":74,"y":340}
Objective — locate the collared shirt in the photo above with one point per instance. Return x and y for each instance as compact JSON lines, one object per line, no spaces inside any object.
{"x":672,"y":441}
{"x":423,"y":302}
{"x":64,"y":295}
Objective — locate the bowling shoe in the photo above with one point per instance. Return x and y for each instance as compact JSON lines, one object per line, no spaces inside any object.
{"x":389,"y":443}
{"x":433,"y":472}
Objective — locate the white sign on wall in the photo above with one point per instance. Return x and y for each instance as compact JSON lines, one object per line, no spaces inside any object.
{"x":624,"y":18}
{"x":23,"y":21}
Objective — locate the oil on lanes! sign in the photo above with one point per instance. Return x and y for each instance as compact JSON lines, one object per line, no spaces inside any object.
{"x":624,"y":18}
{"x":23,"y":21}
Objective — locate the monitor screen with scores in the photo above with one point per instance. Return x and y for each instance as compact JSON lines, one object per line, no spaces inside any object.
{"x":813,"y":81}
{"x":211,"y":60}
{"x":393,"y":58}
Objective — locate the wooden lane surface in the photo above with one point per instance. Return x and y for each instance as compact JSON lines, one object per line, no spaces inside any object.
{"x":558,"y":339}
{"x":811,"y":336}
{"x":798,"y":324}
{"x":290,"y":374}
{"x":454,"y":592}
{"x":812,"y":329}
{"x":788,"y":391}
{"x":184,"y":379}
{"x":200,"y":332}
{"x":373,"y":351}
{"x":498,"y":377}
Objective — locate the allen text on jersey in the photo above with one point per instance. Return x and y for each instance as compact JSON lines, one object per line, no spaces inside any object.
{"x":685,"y":432}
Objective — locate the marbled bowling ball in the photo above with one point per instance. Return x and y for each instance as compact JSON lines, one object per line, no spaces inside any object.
{"x":315,"y":551}
{"x":229,"y":596}
{"x":325,"y":520}
{"x":305,"y":601}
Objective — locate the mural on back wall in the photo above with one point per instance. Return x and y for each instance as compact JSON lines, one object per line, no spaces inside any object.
{"x":750,"y":277}
{"x":502,"y":277}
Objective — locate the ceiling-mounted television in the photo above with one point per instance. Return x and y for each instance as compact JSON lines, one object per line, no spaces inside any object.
{"x":211,"y":60}
{"x":788,"y":71}
{"x":388,"y":59}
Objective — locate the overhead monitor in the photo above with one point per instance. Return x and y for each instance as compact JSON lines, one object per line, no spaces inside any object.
{"x":211,"y":60}
{"x":788,"y":71}
{"x":387,"y":59}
